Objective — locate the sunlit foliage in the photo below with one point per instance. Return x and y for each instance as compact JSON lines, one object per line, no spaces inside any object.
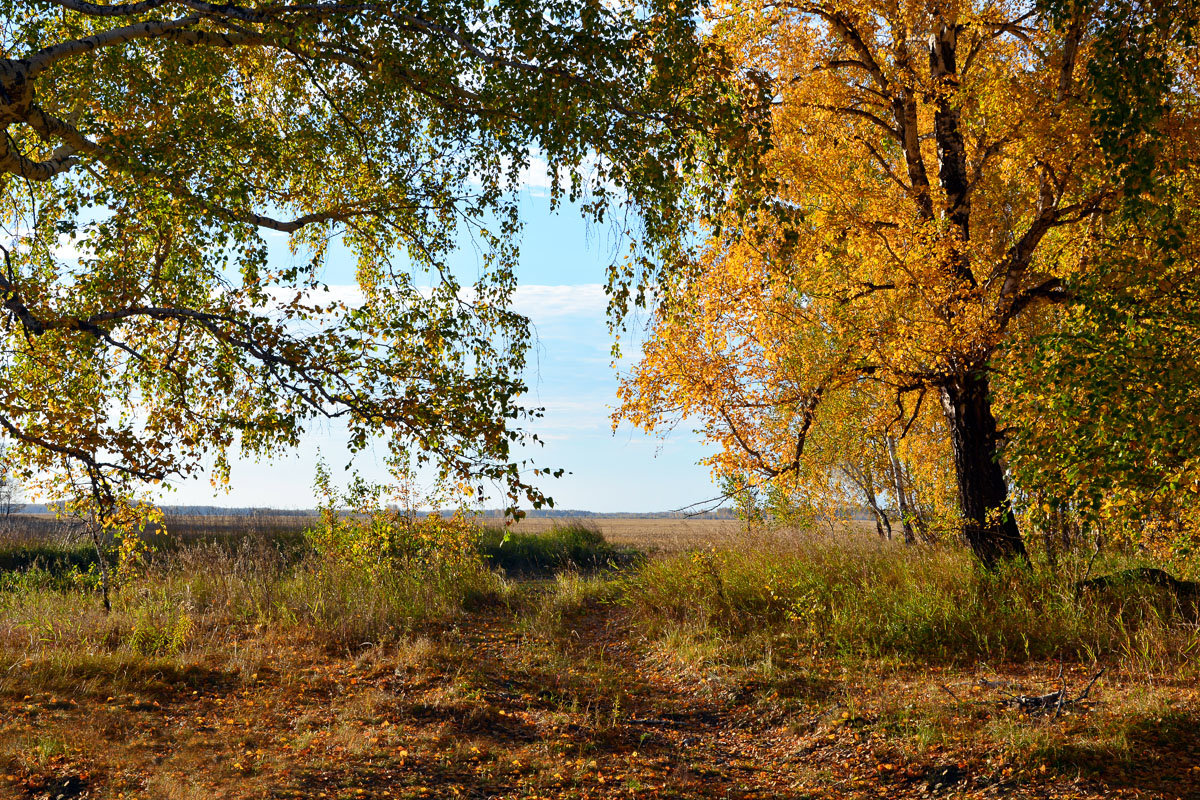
{"x":941,"y":179}
{"x":151,"y":149}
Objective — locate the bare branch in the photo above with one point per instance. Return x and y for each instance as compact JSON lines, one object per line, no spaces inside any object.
{"x":874,"y":151}
{"x":867,"y":289}
{"x":1017,"y":260}
{"x":13,"y":302}
{"x":850,"y":35}
{"x":860,"y":113}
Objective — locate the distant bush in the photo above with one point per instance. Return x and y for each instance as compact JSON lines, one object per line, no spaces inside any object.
{"x":572,"y":546}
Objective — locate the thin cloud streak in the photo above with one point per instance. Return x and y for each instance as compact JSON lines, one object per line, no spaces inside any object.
{"x":539,"y":302}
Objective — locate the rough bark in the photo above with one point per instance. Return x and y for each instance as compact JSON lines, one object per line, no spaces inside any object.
{"x":989,"y":524}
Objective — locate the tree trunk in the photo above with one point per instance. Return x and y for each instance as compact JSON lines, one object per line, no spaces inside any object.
{"x":990,"y":527}
{"x":94,"y":531}
{"x":906,"y":515}
{"x":881,"y":519}
{"x":864,"y":480}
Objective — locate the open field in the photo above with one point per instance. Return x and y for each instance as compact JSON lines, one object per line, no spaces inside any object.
{"x":763,"y":666}
{"x":652,"y":534}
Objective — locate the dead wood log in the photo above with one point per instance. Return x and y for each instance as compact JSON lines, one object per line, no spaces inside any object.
{"x":1052,"y":702}
{"x":1186,"y":593}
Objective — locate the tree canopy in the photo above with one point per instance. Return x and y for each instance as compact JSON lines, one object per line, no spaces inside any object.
{"x":943,"y":178}
{"x":150,"y":147}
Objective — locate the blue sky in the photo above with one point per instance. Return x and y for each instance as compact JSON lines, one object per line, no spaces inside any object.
{"x":561,"y":276}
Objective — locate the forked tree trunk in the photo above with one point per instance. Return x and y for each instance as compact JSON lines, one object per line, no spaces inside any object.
{"x":906,"y":513}
{"x":990,"y":527}
{"x":865,"y":481}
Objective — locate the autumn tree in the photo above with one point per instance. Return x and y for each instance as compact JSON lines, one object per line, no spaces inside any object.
{"x":737,"y":362}
{"x":891,"y":465}
{"x":150,"y":147}
{"x":939,"y":182}
{"x":1105,"y":390}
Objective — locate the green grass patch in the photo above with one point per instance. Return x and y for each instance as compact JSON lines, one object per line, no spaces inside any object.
{"x":46,"y":565}
{"x":573,"y":546}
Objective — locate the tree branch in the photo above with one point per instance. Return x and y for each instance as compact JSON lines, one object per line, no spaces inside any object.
{"x":119,"y":10}
{"x":1051,"y":290}
{"x":16,"y":163}
{"x":48,"y":56}
{"x":860,"y":113}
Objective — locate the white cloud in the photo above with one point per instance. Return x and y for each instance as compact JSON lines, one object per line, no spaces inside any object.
{"x":590,"y":413}
{"x":540,"y":302}
{"x":535,"y":176}
{"x":347,"y":293}
{"x":66,"y":248}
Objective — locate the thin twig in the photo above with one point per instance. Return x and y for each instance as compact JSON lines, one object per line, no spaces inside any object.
{"x":1087,"y":689}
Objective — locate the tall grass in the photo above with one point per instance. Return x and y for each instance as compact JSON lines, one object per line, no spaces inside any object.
{"x":765,"y":600}
{"x":197,"y":595}
{"x":867,"y":600}
{"x":204,"y":601}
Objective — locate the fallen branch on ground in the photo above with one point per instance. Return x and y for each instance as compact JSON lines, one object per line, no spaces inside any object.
{"x":1053,"y":702}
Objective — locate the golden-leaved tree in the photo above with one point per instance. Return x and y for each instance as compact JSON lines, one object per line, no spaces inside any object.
{"x":149,"y":147}
{"x":937,"y":182}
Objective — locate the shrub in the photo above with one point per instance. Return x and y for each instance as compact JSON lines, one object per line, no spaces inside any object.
{"x":357,"y":530}
{"x":573,"y":546}
{"x":46,"y":565}
{"x":160,"y":629}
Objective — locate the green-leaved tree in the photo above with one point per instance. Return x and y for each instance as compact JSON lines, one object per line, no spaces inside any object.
{"x":148,"y":148}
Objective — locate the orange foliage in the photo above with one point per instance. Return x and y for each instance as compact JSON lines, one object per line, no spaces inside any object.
{"x":936,"y":182}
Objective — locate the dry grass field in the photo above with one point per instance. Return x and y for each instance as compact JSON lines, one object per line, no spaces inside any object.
{"x":723,"y":665}
{"x":651,"y":534}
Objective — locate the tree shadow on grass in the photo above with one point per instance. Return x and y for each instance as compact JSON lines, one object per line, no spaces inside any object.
{"x":99,"y":675}
{"x":1152,"y":754}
